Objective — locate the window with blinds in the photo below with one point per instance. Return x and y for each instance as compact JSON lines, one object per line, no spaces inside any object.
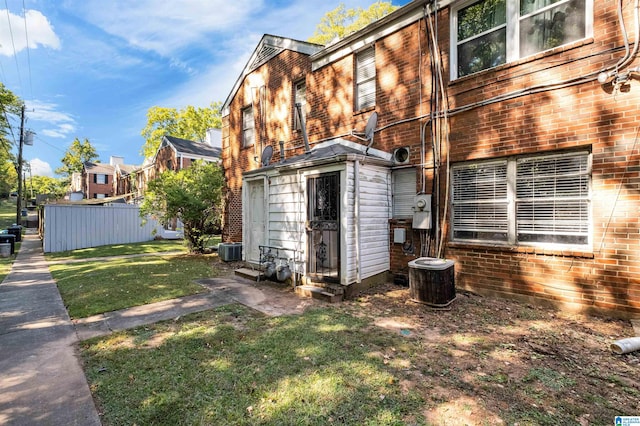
{"x":524,"y":200}
{"x":480,"y":201}
{"x":365,"y":79}
{"x":247,"y":127}
{"x":552,"y":199}
{"x":404,"y":192}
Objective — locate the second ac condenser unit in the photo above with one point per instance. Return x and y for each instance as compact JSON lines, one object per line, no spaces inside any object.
{"x":229,"y":252}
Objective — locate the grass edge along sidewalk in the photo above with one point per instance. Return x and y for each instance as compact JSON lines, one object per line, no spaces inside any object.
{"x":91,"y":286}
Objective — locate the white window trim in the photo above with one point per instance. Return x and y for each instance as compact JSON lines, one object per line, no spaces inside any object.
{"x":245,"y":129}
{"x":512,"y":204}
{"x":296,"y":120}
{"x":513,"y":30}
{"x":358,"y":83}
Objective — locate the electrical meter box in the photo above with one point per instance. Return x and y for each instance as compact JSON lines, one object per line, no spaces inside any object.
{"x":422,"y":211}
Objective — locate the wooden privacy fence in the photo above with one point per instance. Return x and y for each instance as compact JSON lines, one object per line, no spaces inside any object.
{"x":71,"y":227}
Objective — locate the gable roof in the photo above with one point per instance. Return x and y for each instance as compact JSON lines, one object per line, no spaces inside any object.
{"x":98,"y":168}
{"x":269,"y":47}
{"x":192,"y":149}
{"x":125,"y":169}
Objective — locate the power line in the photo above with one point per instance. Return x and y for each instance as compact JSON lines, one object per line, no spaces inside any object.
{"x":26,"y":35}
{"x":15,"y":53}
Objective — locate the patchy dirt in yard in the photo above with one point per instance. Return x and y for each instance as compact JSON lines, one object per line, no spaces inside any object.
{"x":497,"y":361}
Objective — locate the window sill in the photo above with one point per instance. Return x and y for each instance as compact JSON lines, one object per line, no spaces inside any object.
{"x":364,"y":111}
{"x":545,"y":251}
{"x":525,"y":60}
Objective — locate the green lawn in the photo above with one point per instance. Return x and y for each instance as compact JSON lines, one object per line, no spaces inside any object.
{"x":94,"y":287}
{"x":7,"y":218}
{"x":7,"y":213}
{"x":154,"y":246}
{"x":234,"y":366}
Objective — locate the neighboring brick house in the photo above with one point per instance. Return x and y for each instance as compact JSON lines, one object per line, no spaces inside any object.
{"x":97,"y":180}
{"x":516,"y":124}
{"x":124,"y":180}
{"x":176,"y":154}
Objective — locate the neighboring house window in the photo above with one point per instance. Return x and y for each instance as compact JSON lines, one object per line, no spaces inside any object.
{"x":365,"y":79}
{"x":100,"y":178}
{"x":523,"y":200}
{"x":101,"y":195}
{"x":248,"y":126}
{"x":489,"y":33}
{"x":300,"y":97}
{"x":404,"y":192}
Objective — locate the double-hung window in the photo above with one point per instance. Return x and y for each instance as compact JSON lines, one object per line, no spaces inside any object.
{"x":365,"y":82}
{"x":300,"y":97}
{"x":523,"y":200}
{"x":488,"y":33}
{"x":248,"y":126}
{"x":100,"y":178}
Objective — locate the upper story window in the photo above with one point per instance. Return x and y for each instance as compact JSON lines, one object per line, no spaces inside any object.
{"x":100,"y":178}
{"x":248,"y":125}
{"x":488,"y":33}
{"x":300,"y":97}
{"x":532,"y":200}
{"x":365,"y":82}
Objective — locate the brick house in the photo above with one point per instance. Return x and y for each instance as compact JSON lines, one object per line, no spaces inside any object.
{"x":505,"y":138}
{"x":177,"y":153}
{"x":97,"y":180}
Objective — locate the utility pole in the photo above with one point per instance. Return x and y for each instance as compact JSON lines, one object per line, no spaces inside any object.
{"x":19,"y":200}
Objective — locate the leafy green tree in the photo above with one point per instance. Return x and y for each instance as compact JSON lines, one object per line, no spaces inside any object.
{"x":193,"y":195}
{"x":189,"y":123}
{"x":75,"y":156}
{"x":340,"y":22}
{"x":10,"y":104}
{"x":46,"y":185}
{"x":8,"y":178}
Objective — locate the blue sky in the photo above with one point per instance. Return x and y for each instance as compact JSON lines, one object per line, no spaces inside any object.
{"x":93,"y":68}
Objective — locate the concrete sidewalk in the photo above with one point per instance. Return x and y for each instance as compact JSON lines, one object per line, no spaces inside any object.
{"x":42,"y":379}
{"x":272,"y":300}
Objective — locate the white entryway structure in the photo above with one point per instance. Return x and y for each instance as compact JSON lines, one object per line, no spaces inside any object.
{"x":327,"y":211}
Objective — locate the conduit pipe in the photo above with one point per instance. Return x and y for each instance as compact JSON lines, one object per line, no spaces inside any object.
{"x":628,"y":57}
{"x":624,"y":346}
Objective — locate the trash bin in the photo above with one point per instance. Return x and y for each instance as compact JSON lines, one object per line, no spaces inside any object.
{"x":5,"y":249}
{"x":17,"y":231}
{"x":9,"y":239}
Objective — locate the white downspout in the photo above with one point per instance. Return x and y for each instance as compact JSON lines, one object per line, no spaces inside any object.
{"x":356,"y":201}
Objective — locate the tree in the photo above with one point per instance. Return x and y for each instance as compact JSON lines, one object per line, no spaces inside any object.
{"x":193,"y":195}
{"x":189,"y":123}
{"x":75,"y":156}
{"x":340,"y":22}
{"x":10,"y":104}
{"x":46,"y":185}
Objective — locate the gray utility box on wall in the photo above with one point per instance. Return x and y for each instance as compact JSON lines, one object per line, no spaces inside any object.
{"x":229,"y":252}
{"x":432,"y":281}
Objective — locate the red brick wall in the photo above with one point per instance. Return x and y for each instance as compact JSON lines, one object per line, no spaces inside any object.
{"x":92,"y":188}
{"x":278,"y":76}
{"x":585,"y":116}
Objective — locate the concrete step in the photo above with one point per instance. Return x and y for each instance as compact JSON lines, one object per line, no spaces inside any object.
{"x":318,"y":293}
{"x":252,"y":274}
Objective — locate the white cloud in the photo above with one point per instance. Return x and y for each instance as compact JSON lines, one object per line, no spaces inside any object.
{"x":163,"y":26}
{"x":39,"y":32}
{"x":40,"y":168}
{"x":56,"y":124}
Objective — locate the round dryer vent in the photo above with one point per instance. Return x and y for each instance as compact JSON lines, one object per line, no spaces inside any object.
{"x":401,"y":155}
